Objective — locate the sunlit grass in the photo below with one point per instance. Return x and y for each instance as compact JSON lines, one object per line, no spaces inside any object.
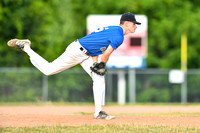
{"x":176,"y":114}
{"x":103,"y":129}
{"x":197,"y":114}
{"x":46,"y":103}
{"x":39,"y":103}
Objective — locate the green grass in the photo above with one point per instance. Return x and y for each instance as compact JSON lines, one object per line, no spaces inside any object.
{"x":131,"y":128}
{"x":46,"y":103}
{"x":39,"y":103}
{"x":197,"y":114}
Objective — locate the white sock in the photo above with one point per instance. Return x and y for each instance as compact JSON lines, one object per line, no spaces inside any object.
{"x":27,"y":48}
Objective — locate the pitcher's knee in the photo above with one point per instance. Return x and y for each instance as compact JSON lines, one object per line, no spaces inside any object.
{"x":47,"y":73}
{"x":49,"y":70}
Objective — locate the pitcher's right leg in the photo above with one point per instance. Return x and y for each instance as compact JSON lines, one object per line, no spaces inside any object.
{"x":71,"y":57}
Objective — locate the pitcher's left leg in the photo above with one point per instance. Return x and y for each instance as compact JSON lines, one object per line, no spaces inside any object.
{"x":98,"y":85}
{"x":98,"y":90}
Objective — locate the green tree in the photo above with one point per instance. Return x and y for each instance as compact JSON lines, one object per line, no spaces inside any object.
{"x":52,"y":24}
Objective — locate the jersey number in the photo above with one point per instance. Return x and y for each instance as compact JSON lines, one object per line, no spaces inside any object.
{"x":101,"y":29}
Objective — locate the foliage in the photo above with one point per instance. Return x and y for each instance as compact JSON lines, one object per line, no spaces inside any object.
{"x":20,"y":86}
{"x":52,"y":24}
{"x":154,"y":95}
{"x":70,"y":87}
{"x":27,"y":85}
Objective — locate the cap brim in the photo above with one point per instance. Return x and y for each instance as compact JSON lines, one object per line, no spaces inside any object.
{"x":137,"y":22}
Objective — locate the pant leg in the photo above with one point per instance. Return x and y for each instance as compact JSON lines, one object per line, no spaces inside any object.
{"x":71,"y":57}
{"x":98,"y":83}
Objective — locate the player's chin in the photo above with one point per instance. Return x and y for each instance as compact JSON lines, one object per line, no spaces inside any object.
{"x":133,"y":31}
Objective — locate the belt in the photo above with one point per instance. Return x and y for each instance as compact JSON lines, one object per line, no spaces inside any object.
{"x":84,"y":51}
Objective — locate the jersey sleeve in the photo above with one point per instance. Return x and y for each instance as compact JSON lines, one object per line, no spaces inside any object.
{"x":116,"y":41}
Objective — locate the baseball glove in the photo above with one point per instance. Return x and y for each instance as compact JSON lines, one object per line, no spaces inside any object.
{"x":99,"y":68}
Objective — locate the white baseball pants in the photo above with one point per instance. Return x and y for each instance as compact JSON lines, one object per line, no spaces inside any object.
{"x":71,"y":57}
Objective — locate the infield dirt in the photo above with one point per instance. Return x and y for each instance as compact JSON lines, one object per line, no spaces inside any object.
{"x":31,"y":116}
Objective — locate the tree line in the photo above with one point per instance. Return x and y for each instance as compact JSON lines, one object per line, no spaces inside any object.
{"x":53,"y":24}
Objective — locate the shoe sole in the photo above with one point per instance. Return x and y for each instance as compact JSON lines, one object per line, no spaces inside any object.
{"x":12,"y":42}
{"x":111,"y":117}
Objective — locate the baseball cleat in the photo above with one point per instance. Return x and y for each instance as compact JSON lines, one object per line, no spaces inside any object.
{"x":103,"y":115}
{"x":19,"y":44}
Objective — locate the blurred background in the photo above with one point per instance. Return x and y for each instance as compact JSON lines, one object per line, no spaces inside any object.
{"x":53,"y":24}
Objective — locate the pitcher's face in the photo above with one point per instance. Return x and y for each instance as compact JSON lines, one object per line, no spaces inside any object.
{"x":132,"y":27}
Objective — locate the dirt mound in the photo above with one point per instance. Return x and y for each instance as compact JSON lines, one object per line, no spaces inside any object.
{"x":30,"y":116}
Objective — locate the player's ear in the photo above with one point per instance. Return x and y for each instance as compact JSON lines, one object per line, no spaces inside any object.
{"x":126,"y":23}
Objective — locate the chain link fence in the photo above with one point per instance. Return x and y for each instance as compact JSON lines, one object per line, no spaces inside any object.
{"x":75,"y":85}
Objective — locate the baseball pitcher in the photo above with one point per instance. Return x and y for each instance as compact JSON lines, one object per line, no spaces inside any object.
{"x":85,"y":51}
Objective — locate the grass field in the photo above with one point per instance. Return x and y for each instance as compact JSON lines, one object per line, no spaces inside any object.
{"x":169,"y":118}
{"x":103,"y":129}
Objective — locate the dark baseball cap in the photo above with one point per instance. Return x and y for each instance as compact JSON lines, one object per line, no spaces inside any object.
{"x":129,"y":17}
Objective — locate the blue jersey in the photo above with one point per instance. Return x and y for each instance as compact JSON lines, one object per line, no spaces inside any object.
{"x":98,"y":41}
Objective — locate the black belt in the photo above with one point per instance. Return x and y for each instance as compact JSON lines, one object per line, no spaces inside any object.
{"x":84,"y":51}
